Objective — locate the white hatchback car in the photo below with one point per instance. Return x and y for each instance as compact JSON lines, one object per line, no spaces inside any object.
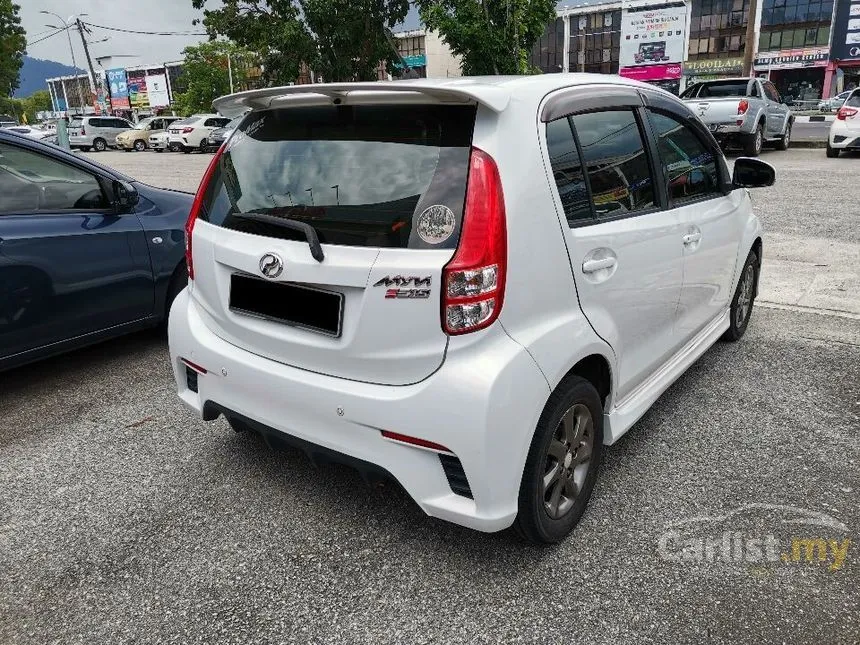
{"x":470,"y":284}
{"x":193,"y":132}
{"x":845,"y":129}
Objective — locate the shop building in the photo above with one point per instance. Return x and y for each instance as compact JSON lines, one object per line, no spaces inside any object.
{"x":426,"y":55}
{"x":843,"y":70}
{"x":794,"y":47}
{"x":717,"y":40}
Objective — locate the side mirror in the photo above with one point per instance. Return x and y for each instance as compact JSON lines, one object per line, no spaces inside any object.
{"x":752,"y":173}
{"x":125,"y":196}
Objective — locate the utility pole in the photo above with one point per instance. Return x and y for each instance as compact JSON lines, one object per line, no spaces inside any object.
{"x":93,"y":87}
{"x":751,"y":44}
{"x":230,"y":71}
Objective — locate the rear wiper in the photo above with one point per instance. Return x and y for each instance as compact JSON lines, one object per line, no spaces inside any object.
{"x":309,"y":231}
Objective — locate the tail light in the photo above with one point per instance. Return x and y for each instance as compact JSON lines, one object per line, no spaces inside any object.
{"x":187,"y":130}
{"x":474,"y":280}
{"x":743,"y":106}
{"x":196,"y":207}
{"x":845,"y":112}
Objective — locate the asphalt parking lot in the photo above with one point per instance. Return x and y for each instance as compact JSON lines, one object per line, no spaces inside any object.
{"x":125,"y":519}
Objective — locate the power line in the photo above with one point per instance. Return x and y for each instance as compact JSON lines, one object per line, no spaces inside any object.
{"x":51,"y":35}
{"x":149,"y":33}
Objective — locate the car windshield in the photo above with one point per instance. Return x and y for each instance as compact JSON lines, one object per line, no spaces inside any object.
{"x":76,"y":123}
{"x":853,"y":100}
{"x":144,"y":122}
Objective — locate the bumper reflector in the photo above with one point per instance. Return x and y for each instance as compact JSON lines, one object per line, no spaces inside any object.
{"x":415,"y":441}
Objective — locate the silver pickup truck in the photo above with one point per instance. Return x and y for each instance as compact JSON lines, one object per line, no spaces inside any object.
{"x":744,"y":111}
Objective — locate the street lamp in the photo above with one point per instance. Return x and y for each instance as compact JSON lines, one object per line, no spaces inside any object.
{"x":67,"y":25}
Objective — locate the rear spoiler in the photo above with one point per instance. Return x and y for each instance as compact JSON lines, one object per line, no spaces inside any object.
{"x":492,"y":96}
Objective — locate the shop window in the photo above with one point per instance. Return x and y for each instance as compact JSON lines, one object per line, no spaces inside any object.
{"x":811,"y":35}
{"x":776,"y":40}
{"x":823,"y":36}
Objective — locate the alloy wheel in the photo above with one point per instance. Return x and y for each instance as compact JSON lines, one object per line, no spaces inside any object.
{"x":745,"y":296}
{"x":567,"y":460}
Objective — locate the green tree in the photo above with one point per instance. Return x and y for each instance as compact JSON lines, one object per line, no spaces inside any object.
{"x":207,"y":76}
{"x":13,"y":46}
{"x":492,"y":36}
{"x":340,"y":40}
{"x":39,"y":101}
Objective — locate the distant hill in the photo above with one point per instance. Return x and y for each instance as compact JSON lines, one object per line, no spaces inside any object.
{"x":36,"y":71}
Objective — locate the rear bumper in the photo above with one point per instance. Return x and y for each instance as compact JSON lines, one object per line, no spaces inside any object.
{"x":844,"y":138}
{"x":482,"y":404}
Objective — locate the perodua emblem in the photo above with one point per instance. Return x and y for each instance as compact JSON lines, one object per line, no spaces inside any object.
{"x":271,"y":265}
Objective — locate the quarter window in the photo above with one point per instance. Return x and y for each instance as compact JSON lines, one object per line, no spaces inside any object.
{"x":619,"y":174}
{"x":30,"y":182}
{"x":567,"y":171}
{"x":689,"y":165}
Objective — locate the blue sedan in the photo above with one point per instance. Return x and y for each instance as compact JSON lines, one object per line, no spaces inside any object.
{"x":86,"y":253}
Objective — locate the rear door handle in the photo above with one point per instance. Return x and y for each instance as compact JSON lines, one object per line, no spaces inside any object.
{"x":592,"y":266}
{"x":692,"y":238}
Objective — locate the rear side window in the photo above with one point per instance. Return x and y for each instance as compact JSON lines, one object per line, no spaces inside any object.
{"x":363,"y":175}
{"x":853,"y":100}
{"x":617,"y":165}
{"x":567,"y":171}
{"x":689,"y":165}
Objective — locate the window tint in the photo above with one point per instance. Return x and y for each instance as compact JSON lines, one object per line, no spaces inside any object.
{"x":723,"y":88}
{"x":689,"y":166}
{"x":567,"y":171}
{"x":771,"y":92}
{"x":853,"y":100}
{"x":362,"y":175}
{"x":30,"y":181}
{"x":211,"y":123}
{"x":119,"y":123}
{"x":616,"y":162}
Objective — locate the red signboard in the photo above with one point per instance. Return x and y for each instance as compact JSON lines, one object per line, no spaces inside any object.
{"x":652,"y":72}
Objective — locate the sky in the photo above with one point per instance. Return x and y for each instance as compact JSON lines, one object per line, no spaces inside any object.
{"x":138,"y":15}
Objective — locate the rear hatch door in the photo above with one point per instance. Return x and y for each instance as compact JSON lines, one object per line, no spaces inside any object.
{"x":382,"y":187}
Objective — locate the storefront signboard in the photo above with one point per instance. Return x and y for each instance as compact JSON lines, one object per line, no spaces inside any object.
{"x":792,"y":58}
{"x":653,"y":35}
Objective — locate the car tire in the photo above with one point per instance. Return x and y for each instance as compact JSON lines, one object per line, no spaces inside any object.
{"x":742,"y":304}
{"x":173,"y":147}
{"x":832,"y":152}
{"x":140,"y":145}
{"x":99,"y":145}
{"x":565,"y":451}
{"x":204,"y":144}
{"x":185,"y":149}
{"x":753,"y":143}
{"x":785,"y":141}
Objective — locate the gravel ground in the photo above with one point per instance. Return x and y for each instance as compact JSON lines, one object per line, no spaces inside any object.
{"x":124,"y":519}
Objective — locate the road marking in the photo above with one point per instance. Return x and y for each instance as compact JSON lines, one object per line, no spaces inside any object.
{"x":809,"y":310}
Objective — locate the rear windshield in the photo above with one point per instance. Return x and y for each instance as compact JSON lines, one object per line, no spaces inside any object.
{"x":717,"y":89}
{"x":76,"y":123}
{"x":853,"y":100}
{"x":365,"y":175}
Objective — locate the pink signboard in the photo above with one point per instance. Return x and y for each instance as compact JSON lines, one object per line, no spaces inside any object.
{"x":652,"y":72}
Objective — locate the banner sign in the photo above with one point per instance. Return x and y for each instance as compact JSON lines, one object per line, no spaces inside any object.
{"x":714,"y":66}
{"x":156,"y":88}
{"x":137,"y":94}
{"x":118,"y":86}
{"x":653,"y":36}
{"x":652,"y":72}
{"x":846,"y":30}
{"x":793,"y":58}
{"x":419,"y":60}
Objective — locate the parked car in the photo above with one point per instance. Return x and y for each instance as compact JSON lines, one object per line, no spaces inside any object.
{"x":159,"y":142}
{"x":400,"y":285}
{"x":744,"y":111}
{"x":96,"y":132}
{"x":7,"y":121}
{"x":138,"y":138}
{"x":845,"y":130}
{"x":193,"y":133}
{"x":34,"y":133}
{"x":834,"y":102}
{"x":87,"y":253}
{"x":220,"y":135}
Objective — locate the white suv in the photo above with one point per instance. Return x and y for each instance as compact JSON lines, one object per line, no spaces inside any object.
{"x":470,"y":285}
{"x":193,"y":132}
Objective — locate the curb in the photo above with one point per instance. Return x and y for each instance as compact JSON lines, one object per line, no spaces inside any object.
{"x":823,"y":118}
{"x":818,"y":145}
